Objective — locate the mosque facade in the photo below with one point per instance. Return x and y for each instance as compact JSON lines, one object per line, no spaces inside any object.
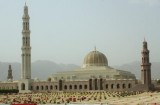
{"x":94,"y":75}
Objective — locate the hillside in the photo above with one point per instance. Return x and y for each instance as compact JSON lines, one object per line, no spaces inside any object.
{"x":43,"y":68}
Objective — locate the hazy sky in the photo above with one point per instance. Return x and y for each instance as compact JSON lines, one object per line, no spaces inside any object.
{"x":64,"y":31}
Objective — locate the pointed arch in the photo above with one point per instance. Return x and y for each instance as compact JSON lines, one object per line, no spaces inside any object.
{"x":129,"y":85}
{"x":123,"y":86}
{"x":22,"y":86}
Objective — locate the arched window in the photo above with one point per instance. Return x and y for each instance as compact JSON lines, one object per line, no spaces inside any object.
{"x":80,"y":86}
{"x":85,"y":86}
{"x":31,"y":87}
{"x":118,"y":86}
{"x":95,"y":84}
{"x":129,"y":85}
{"x":22,"y":86}
{"x":41,"y":87}
{"x":75,"y":86}
{"x":56,"y":87}
{"x":123,"y":86}
{"x":90,"y":84}
{"x":101,"y":84}
{"x":51,"y":87}
{"x":106,"y":86}
{"x":65,"y":86}
{"x":112,"y":86}
{"x":60,"y":85}
{"x":70,"y":87}
{"x":37,"y":87}
{"x":46,"y":88}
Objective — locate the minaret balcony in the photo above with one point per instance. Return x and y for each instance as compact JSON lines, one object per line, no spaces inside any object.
{"x":26,"y":31}
{"x":25,"y":16}
{"x":147,"y":64}
{"x":26,"y":48}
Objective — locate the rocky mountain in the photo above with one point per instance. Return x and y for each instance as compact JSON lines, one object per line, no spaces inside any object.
{"x":42,"y":69}
{"x":135,"y":68}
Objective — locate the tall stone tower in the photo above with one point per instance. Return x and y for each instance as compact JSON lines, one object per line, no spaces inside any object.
{"x":26,"y":49}
{"x":145,"y":66}
{"x":10,"y":77}
{"x":25,"y":82}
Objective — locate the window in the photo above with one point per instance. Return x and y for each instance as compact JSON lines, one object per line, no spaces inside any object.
{"x":46,"y":88}
{"x":70,"y":87}
{"x":90,"y":84}
{"x":75,"y":86}
{"x":85,"y":86}
{"x":65,"y":86}
{"x":80,"y":86}
{"x":123,"y":86}
{"x":31,"y":87}
{"x":41,"y":87}
{"x":51,"y":87}
{"x":22,"y":86}
{"x":112,"y":86}
{"x":118,"y":86}
{"x":37,"y":87}
{"x":106,"y":86}
{"x":56,"y":87}
{"x":129,"y":85}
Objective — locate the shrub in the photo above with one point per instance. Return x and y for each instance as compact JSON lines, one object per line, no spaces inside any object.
{"x":9,"y":91}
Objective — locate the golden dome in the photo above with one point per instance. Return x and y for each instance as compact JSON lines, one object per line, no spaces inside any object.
{"x":95,"y":58}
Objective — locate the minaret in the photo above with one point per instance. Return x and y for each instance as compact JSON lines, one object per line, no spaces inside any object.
{"x":26,"y":48}
{"x":145,"y":66}
{"x":10,"y":77}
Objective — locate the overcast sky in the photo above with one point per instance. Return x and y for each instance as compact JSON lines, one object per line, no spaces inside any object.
{"x":65,"y":31}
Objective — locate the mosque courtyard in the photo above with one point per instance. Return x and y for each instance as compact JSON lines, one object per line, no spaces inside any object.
{"x":90,"y":98}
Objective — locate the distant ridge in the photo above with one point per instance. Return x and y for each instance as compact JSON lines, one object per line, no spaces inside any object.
{"x":42,"y":69}
{"x":135,"y":68}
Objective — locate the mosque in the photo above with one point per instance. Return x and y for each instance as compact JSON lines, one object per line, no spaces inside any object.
{"x":94,"y":75}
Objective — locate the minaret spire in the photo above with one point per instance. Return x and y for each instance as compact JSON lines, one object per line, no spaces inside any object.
{"x":25,"y":84}
{"x":10,"y":77}
{"x":145,"y":65}
{"x":26,"y":48}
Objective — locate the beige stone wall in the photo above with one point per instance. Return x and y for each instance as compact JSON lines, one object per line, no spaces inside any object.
{"x":107,"y":85}
{"x":118,"y":85}
{"x":44,"y":86}
{"x":76,"y":86}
